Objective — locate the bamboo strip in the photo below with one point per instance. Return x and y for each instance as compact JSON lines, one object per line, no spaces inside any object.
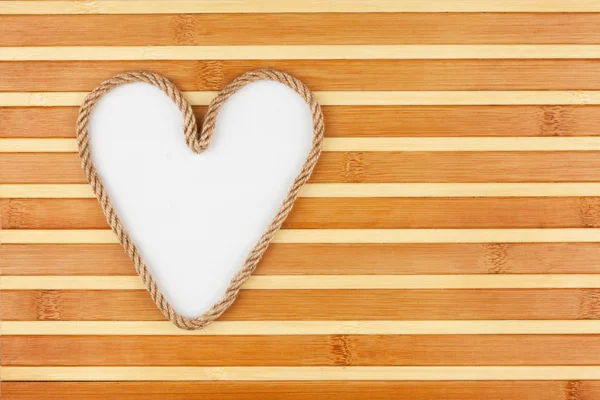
{"x":299,"y":52}
{"x":559,"y":189}
{"x":483,"y":373}
{"x":562,"y":235}
{"x":581,"y":143}
{"x":443,"y":327}
{"x":297,"y":6}
{"x":350,"y":98}
{"x":319,"y":282}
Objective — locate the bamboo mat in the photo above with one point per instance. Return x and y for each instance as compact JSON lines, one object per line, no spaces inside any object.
{"x":445,"y":248}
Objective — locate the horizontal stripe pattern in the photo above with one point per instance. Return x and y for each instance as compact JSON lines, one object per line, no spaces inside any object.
{"x":365,"y":167}
{"x":358,"y":74}
{"x":241,"y":328}
{"x":297,"y":6}
{"x":367,"y":144}
{"x":349,"y":213}
{"x":351,"y":98}
{"x":234,"y":29}
{"x":447,"y":245}
{"x":332,"y":259}
{"x":319,"y":282}
{"x":368,"y":121}
{"x":298,"y":373}
{"x":299,"y":52}
{"x":533,"y":235}
{"x":324,"y":305}
{"x":352,"y":190}
{"x":317,"y":390}
{"x":306,"y":350}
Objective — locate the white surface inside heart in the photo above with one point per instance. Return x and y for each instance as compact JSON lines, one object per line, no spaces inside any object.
{"x":195,"y":217}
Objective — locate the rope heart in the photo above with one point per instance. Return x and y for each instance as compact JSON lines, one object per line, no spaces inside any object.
{"x":197,"y":142}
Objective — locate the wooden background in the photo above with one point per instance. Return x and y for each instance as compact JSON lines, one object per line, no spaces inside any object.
{"x":445,"y":248}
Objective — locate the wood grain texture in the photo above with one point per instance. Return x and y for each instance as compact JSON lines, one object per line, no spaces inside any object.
{"x":352,"y":213}
{"x":350,"y":373}
{"x":364,"y":167}
{"x":46,"y":76}
{"x":308,"y":350}
{"x":296,"y":29}
{"x":271,"y":6}
{"x":300,"y":52}
{"x":298,"y":259}
{"x":269,"y":390}
{"x":369,"y":121}
{"x":354,"y":98}
{"x":297,"y":236}
{"x":481,"y":125}
{"x":309,"y":282}
{"x":261,"y":328}
{"x":351,"y":190}
{"x":273,"y":305}
{"x":430,"y":144}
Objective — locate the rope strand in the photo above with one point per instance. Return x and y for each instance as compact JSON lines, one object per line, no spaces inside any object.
{"x":197,"y":142}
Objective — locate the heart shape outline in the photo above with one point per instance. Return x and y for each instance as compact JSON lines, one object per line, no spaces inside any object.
{"x":197,"y":141}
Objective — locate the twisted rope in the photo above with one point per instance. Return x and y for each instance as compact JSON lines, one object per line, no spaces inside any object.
{"x":197,"y":143}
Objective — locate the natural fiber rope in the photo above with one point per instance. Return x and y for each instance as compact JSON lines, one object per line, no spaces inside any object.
{"x":198,"y":142}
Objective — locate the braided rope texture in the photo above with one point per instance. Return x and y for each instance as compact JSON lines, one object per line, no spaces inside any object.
{"x":197,"y":141}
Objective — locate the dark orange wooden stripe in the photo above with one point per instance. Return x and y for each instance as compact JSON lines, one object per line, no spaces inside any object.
{"x":305,"y":350}
{"x":351,"y":213}
{"x":318,"y":74}
{"x":451,"y":304}
{"x":367,"y":167}
{"x":270,"y":29}
{"x":311,"y":259}
{"x":348,"y":390}
{"x":373,"y":121}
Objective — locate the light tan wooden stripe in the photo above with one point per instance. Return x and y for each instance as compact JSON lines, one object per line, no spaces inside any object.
{"x":563,"y":235}
{"x":572,"y":143}
{"x":76,"y":191}
{"x":297,"y":6}
{"x":559,"y":189}
{"x":484,"y":373}
{"x":441,"y":189}
{"x":461,"y":144}
{"x":299,"y":52}
{"x":444,"y":327}
{"x":38,"y":145}
{"x":351,"y":98}
{"x":318,"y":282}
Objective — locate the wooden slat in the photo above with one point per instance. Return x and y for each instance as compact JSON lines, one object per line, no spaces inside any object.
{"x":409,"y":235}
{"x":271,"y":6}
{"x":254,"y":328}
{"x":351,"y":190}
{"x":364,"y":167}
{"x":368,"y":144}
{"x":360,"y":53}
{"x":311,"y":259}
{"x":299,"y":29}
{"x":369,"y":121}
{"x":273,"y":305}
{"x":351,"y":98}
{"x":319,"y":282}
{"x":377,"y":373}
{"x":354,"y":213}
{"x":269,"y":390}
{"x":305,"y":350}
